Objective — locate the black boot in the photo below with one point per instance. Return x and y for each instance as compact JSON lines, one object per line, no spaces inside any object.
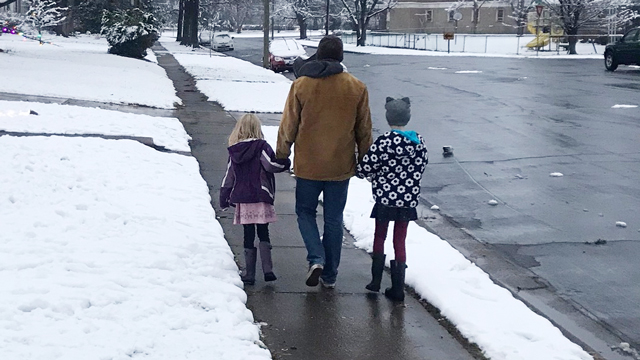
{"x":249,"y":275}
{"x":377,"y":267}
{"x":396,"y":291}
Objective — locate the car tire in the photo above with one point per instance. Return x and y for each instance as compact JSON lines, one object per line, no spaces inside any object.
{"x":610,"y":61}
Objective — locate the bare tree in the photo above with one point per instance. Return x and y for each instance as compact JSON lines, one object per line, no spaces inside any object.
{"x":476,"y":5}
{"x":361,"y":12}
{"x":519,"y":12}
{"x":237,"y":12}
{"x":576,"y":14}
{"x":302,"y":11}
{"x":44,"y":14}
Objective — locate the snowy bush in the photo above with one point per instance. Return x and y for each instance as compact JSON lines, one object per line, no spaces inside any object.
{"x":129,"y":32}
{"x":43,"y":14}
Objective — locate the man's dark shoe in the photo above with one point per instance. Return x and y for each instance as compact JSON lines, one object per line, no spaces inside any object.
{"x":313,"y":276}
{"x":270,"y":277}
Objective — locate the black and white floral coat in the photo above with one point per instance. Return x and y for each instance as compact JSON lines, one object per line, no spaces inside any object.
{"x":394,"y":164}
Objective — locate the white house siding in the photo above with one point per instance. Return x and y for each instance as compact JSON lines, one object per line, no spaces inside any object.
{"x":410,"y":17}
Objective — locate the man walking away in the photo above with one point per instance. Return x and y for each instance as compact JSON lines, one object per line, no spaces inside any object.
{"x":327,"y":116}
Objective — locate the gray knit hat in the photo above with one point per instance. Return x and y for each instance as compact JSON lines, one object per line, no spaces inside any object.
{"x":398,"y":111}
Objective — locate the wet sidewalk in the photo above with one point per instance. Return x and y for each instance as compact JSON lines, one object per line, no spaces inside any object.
{"x":299,"y":322}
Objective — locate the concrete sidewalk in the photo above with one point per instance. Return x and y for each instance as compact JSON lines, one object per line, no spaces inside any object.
{"x":301,"y":322}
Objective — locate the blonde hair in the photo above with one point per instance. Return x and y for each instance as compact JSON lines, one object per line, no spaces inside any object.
{"x":248,"y":127}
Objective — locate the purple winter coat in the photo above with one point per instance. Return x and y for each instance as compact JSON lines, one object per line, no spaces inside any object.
{"x":249,"y":177}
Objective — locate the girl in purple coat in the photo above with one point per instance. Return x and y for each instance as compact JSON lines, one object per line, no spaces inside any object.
{"x":249,"y":185}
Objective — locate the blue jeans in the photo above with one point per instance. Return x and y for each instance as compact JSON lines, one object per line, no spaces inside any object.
{"x":326,"y":251}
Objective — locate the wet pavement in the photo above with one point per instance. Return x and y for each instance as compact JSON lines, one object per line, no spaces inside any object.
{"x":299,"y":322}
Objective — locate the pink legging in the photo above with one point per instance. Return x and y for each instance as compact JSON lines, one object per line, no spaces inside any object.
{"x":399,"y":235}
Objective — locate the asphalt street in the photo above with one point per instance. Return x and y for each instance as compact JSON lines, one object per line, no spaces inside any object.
{"x":512,"y":123}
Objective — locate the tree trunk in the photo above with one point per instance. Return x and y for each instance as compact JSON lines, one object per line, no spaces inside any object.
{"x":194,"y":24}
{"x":186,"y":24}
{"x":190,"y":23}
{"x":362,"y":24}
{"x":573,"y":40}
{"x":180,"y":19}
{"x":303,"y":26}
{"x":358,"y":35}
{"x":476,"y":18}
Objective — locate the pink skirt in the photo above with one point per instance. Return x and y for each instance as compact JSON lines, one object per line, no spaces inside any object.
{"x":255,"y":213}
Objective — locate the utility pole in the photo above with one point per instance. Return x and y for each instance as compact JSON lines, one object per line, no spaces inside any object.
{"x":326,"y":25}
{"x":521,"y":23}
{"x":265,"y":30}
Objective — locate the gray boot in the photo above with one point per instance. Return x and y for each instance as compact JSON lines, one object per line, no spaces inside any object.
{"x":267,"y":264}
{"x":377,"y":267}
{"x":396,"y":291}
{"x":249,"y":275}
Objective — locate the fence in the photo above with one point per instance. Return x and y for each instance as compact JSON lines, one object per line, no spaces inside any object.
{"x":486,"y":44}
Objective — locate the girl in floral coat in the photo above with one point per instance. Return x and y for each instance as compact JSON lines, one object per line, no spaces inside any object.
{"x":394,"y":164}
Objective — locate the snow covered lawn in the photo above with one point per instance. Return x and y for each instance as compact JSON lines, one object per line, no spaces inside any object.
{"x":80,"y":68}
{"x":16,"y":116}
{"x":109,"y":250}
{"x":235,"y":84}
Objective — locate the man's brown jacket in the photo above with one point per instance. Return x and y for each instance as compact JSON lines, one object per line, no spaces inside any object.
{"x":329,"y":120}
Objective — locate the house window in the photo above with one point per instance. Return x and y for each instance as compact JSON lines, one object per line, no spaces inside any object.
{"x":500,"y":15}
{"x":429,"y":15}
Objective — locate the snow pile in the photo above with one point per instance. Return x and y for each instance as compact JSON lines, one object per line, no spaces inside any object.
{"x":235,"y":84}
{"x":80,"y":68}
{"x":110,"y":250}
{"x":66,"y":119}
{"x":484,"y":312}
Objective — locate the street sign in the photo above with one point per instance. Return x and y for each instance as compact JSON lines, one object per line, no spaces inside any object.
{"x":449,"y":36}
{"x":539,"y":9}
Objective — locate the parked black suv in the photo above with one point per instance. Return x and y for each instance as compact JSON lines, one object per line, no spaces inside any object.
{"x":625,"y":51}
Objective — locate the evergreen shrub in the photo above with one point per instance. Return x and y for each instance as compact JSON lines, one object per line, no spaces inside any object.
{"x":129,"y":32}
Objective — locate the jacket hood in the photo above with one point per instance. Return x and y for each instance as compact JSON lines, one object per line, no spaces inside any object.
{"x":409,"y":134}
{"x":245,"y":150}
{"x":402,"y":144}
{"x":320,"y":69}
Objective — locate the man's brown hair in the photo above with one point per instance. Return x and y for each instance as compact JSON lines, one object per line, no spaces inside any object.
{"x":330,"y":48}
